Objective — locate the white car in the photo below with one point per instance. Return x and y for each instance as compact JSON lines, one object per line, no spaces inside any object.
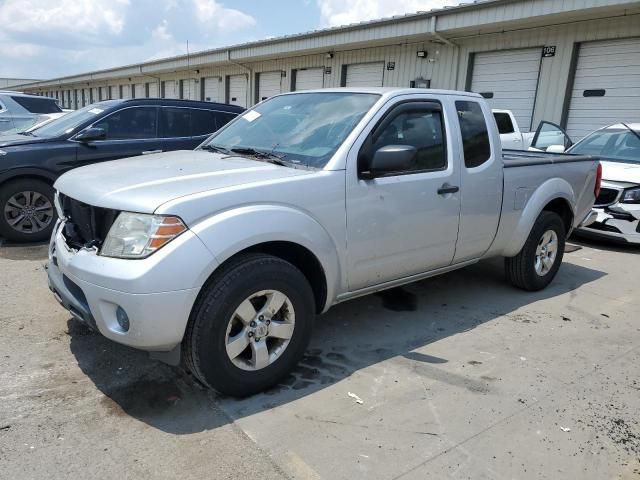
{"x":35,"y":122}
{"x":618,"y":204}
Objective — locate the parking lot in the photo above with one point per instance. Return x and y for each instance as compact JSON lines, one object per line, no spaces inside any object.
{"x":460,"y":376}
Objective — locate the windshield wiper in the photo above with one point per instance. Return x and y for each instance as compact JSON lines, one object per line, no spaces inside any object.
{"x":268,"y":156}
{"x":215,"y":148}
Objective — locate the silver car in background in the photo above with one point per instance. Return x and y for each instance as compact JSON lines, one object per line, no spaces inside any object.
{"x":18,"y":110}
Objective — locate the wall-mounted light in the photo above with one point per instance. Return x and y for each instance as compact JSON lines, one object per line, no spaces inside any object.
{"x":329,"y":55}
{"x":421,"y":53}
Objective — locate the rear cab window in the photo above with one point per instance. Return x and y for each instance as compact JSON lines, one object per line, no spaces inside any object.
{"x":503,"y":120}
{"x":475,"y":136}
{"x":37,"y":104}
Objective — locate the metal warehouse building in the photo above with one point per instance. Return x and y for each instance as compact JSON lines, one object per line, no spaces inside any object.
{"x":576,"y":62}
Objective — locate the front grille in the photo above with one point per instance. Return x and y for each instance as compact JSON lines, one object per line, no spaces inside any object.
{"x":607,"y":196}
{"x":86,"y":226}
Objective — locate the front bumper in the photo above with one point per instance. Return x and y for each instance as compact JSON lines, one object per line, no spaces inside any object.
{"x":619,"y":225}
{"x":83,"y":283}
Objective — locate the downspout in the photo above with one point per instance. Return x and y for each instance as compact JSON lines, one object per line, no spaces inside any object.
{"x":433,"y":30}
{"x":249,"y":75}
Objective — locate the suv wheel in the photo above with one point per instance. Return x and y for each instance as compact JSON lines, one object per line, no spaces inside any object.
{"x":251,"y":325}
{"x":540,"y":258}
{"x":27,"y":213}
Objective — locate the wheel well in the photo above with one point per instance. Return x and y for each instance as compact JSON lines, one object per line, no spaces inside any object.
{"x":26,"y":176}
{"x":303,"y":259}
{"x":563,"y":209}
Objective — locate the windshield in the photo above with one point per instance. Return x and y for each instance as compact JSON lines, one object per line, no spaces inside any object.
{"x":67,"y":123}
{"x":612,"y":143}
{"x":304,"y":128}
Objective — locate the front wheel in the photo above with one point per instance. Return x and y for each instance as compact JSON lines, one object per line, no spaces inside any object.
{"x":251,"y":325}
{"x":537,"y":263}
{"x":27,"y":213}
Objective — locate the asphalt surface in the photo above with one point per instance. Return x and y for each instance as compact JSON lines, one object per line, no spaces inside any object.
{"x":459,"y":376}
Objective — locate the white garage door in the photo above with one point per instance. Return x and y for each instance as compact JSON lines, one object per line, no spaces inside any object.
{"x":606,"y":88}
{"x":104,"y":94}
{"x":95,"y":95}
{"x":190,"y":89}
{"x":153,"y":90}
{"x":268,"y":84}
{"x":212,"y":89}
{"x":365,"y":75}
{"x":509,"y":80}
{"x":238,"y":90}
{"x":170,"y":89}
{"x":138,"y":90}
{"x":87,"y":92}
{"x":309,"y":78}
{"x":126,"y":91}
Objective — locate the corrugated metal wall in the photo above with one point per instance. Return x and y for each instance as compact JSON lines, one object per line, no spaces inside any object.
{"x":446,"y":66}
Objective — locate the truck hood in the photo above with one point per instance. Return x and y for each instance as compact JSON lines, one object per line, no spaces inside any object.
{"x":621,"y":172}
{"x":142,"y":184}
{"x":15,"y":140}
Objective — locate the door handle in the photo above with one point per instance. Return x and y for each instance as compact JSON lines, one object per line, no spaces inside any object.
{"x":446,"y":188}
{"x":149,"y":152}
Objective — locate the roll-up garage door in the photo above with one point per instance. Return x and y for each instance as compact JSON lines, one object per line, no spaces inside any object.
{"x":138,"y":90}
{"x":153,"y":90}
{"x":169,"y":90}
{"x":238,"y":90}
{"x":95,"y":95}
{"x":126,"y":91}
{"x":104,"y":94}
{"x":309,"y":78}
{"x":365,"y":75}
{"x":606,"y":89}
{"x":189,"y":89}
{"x":268,"y":84}
{"x":212,"y":89}
{"x":508,"y":79}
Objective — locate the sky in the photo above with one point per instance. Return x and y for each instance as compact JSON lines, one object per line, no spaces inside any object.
{"x":53,"y":38}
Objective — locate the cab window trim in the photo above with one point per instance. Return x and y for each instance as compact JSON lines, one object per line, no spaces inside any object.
{"x":398,"y":109}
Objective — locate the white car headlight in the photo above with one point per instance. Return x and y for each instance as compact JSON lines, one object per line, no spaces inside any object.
{"x":138,"y":235}
{"x":631,"y":195}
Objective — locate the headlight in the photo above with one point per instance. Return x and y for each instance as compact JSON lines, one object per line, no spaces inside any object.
{"x":58,"y":205}
{"x":631,"y":196}
{"x":138,"y":235}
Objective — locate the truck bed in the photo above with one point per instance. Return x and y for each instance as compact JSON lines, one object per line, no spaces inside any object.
{"x":521,"y":158}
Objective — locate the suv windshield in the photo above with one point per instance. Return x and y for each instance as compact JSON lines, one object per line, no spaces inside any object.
{"x":612,"y":144}
{"x":67,"y":123}
{"x":303,"y":128}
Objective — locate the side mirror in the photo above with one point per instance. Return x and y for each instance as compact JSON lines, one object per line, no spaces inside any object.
{"x":392,"y":158}
{"x":555,"y":149}
{"x":91,"y":134}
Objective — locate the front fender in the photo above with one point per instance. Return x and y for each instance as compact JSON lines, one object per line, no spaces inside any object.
{"x":230,"y":232}
{"x":550,"y":190}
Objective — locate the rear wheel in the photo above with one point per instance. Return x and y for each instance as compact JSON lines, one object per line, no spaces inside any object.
{"x":250,"y":326}
{"x":27,"y":213}
{"x":539,"y":260}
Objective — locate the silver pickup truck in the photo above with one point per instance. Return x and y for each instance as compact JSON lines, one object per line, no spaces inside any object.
{"x":222,"y":257}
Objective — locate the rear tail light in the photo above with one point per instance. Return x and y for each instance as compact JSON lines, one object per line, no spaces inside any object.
{"x":596,"y":188}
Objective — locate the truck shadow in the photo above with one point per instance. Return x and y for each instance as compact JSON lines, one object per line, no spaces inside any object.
{"x":351,"y":337}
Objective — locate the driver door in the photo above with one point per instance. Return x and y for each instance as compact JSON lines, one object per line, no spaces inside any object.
{"x":549,"y":134}
{"x":130,"y":131}
{"x":406,"y":222}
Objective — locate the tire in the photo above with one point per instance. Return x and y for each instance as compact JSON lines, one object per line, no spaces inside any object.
{"x":522,"y":270}
{"x":37,"y":197}
{"x":215,"y":321}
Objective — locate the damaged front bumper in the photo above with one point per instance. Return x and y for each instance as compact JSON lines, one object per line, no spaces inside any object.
{"x":619,"y":222}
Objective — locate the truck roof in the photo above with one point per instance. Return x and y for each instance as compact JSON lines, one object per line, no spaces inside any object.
{"x":388,"y":91}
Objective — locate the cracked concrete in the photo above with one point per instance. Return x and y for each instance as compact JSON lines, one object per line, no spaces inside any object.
{"x":461,"y":376}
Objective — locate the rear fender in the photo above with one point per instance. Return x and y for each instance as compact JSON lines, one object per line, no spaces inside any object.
{"x":230,"y":232}
{"x":550,"y":190}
